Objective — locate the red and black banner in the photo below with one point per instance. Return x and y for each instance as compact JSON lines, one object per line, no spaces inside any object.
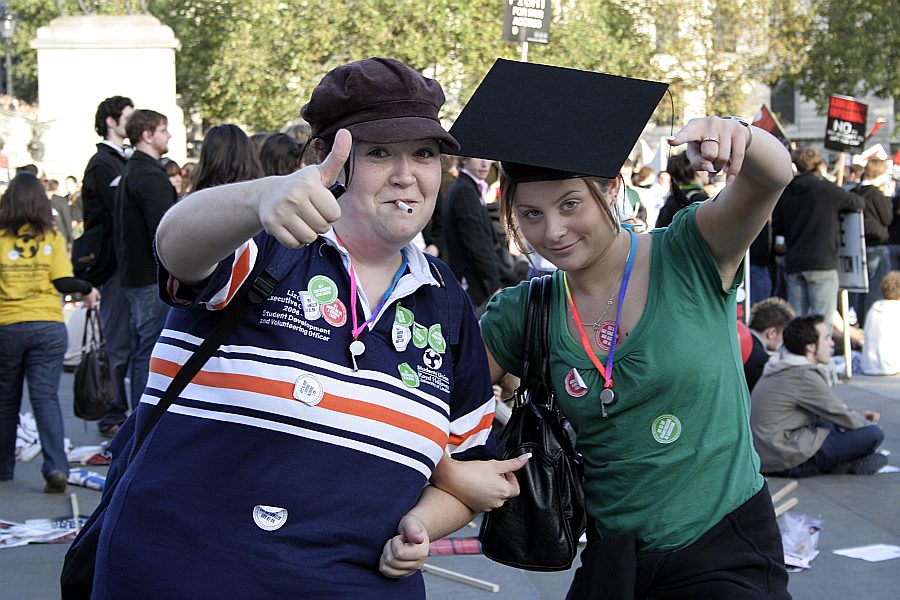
{"x":846,"y":125}
{"x":767,"y":121}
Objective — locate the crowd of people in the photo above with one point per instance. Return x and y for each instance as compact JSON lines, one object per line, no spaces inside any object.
{"x":347,"y":420}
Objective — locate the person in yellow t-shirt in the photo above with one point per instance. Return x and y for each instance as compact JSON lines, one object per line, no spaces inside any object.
{"x":34,"y":270}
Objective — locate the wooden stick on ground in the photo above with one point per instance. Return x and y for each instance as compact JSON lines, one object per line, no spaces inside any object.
{"x":454,"y":576}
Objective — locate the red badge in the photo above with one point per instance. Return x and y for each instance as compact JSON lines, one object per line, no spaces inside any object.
{"x":575,"y":385}
{"x":604,"y":334}
{"x":335,"y":313}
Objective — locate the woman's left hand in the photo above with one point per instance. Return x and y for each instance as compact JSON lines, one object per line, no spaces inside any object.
{"x":714,"y":144}
{"x":405,"y":553}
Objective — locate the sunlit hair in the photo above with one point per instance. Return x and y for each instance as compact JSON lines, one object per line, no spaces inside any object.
{"x":25,"y":203}
{"x":808,"y":160}
{"x":226,"y":156}
{"x":875,"y":168}
{"x":598,"y":187}
{"x":771,"y":312}
{"x":143,"y":120}
{"x":890,"y":286}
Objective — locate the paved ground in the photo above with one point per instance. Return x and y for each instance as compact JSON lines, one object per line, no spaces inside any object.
{"x":856,"y":511}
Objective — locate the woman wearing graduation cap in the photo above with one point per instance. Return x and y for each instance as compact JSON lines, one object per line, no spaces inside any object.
{"x":644,"y":350}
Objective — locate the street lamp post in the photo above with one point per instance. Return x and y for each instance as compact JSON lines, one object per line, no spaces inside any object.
{"x":7,"y":29}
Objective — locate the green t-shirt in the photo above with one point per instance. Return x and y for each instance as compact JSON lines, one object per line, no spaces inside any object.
{"x":675,"y":455}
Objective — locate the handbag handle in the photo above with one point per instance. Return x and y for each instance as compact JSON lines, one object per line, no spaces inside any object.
{"x":92,"y":326}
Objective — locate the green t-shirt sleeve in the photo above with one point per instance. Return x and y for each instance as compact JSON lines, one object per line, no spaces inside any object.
{"x":685,"y":246}
{"x":503,"y":327}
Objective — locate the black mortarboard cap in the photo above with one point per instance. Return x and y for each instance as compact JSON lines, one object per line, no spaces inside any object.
{"x":545,"y":122}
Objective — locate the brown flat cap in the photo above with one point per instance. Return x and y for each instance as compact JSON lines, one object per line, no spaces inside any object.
{"x":377,"y":100}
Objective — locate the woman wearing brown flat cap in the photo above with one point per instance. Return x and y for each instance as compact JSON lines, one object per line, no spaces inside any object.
{"x":296,"y":464}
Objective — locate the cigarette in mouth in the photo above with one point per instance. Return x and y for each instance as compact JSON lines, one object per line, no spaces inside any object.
{"x":404,"y":206}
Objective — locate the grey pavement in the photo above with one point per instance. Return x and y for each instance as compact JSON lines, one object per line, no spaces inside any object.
{"x":856,"y":511}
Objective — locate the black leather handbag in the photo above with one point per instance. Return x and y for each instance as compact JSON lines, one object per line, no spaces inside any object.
{"x":539,"y":529}
{"x":94,"y":390}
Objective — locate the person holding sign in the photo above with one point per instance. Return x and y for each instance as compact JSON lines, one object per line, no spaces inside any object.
{"x":644,"y":351}
{"x":296,"y":463}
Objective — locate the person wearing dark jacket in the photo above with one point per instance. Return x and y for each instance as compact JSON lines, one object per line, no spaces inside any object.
{"x":768,"y":318}
{"x":686,"y":189}
{"x":877,"y":217}
{"x":469,"y":234}
{"x":98,"y":195}
{"x":143,"y":197}
{"x":807,"y":217}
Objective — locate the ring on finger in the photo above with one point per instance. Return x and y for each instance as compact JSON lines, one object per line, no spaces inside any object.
{"x":710,"y":139}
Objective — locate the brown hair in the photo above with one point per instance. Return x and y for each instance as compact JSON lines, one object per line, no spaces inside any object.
{"x":25,"y":203}
{"x":598,"y":187}
{"x":143,"y":120}
{"x":890,"y":286}
{"x":875,"y":168}
{"x":771,"y":312}
{"x":808,"y":160}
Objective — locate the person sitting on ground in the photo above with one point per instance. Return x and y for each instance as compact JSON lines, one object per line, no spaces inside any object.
{"x":881,"y":350}
{"x":800,"y":428}
{"x":768,"y":318}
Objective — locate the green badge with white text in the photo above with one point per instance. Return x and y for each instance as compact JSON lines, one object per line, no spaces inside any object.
{"x":408,"y":375}
{"x":666,"y":429}
{"x":436,"y":339}
{"x":420,"y":336}
{"x":403,"y":316}
{"x":322,"y":289}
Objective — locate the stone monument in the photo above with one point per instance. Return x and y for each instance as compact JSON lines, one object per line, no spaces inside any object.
{"x":85,"y":58}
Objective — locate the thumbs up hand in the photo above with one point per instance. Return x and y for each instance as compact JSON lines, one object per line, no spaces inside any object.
{"x":303,"y":206}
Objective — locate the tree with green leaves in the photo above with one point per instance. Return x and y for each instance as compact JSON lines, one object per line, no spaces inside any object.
{"x":852,"y":49}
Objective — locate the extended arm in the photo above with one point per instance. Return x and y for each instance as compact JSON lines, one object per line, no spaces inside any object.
{"x":756,"y":176}
{"x":210,"y":224}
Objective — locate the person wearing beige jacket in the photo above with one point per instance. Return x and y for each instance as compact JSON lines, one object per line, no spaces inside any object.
{"x":800,"y":428}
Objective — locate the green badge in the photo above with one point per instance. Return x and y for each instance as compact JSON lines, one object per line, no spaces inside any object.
{"x":322,"y":289}
{"x":420,"y":336}
{"x":666,"y":429}
{"x":436,"y":339}
{"x":408,"y":375}
{"x":403,"y":316}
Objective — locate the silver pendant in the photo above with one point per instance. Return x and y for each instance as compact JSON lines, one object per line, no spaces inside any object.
{"x":607,"y":398}
{"x":356,"y":349}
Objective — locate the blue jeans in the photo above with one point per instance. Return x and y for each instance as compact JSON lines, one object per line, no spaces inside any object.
{"x":814,"y":293}
{"x":840,"y":446}
{"x":878,"y":264}
{"x":148,"y":317}
{"x":34,"y":351}
{"x":115,"y":319}
{"x":895,"y":256}
{"x":760,"y":283}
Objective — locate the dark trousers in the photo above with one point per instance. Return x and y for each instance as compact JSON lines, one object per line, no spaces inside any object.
{"x":740,"y":558}
{"x":841,"y":446}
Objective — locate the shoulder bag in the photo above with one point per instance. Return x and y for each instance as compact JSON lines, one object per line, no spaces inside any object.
{"x":77,"y":577}
{"x":95,"y":390}
{"x":539,"y":529}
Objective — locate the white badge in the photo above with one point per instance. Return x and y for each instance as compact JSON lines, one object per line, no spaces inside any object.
{"x":312,"y":310}
{"x":401,"y":336}
{"x":269,"y":518}
{"x":308,"y":389}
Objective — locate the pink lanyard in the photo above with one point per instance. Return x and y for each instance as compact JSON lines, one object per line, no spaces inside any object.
{"x":357,"y":329}
{"x":606,"y":372}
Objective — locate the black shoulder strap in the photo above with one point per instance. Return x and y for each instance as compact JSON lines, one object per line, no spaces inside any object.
{"x":261,"y":288}
{"x":529,"y":373}
{"x":454,"y":300}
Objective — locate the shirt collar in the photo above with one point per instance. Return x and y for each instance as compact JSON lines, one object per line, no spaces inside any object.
{"x":481,"y":183}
